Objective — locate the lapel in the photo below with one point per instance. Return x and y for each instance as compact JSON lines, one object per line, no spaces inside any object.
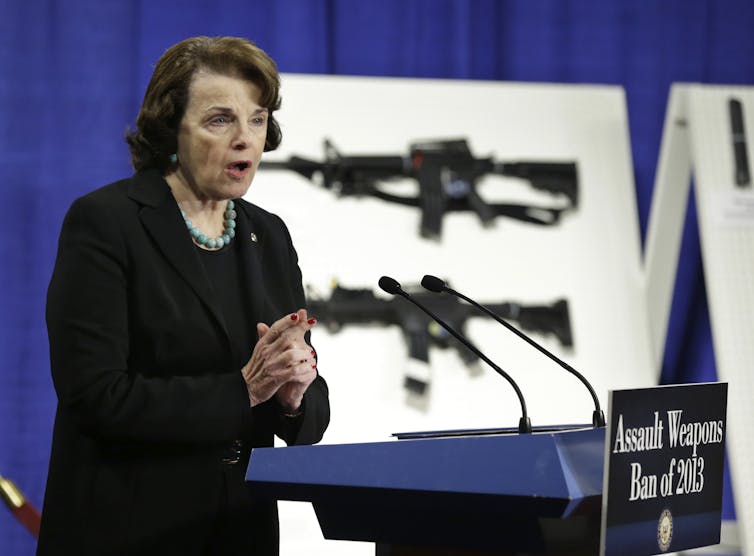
{"x":163,"y":221}
{"x":251,"y":253}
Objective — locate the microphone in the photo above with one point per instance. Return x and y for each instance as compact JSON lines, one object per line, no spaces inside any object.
{"x":392,"y":287}
{"x":435,"y":284}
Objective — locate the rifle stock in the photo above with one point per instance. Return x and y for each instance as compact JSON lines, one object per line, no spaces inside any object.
{"x":542,"y":319}
{"x":553,"y":177}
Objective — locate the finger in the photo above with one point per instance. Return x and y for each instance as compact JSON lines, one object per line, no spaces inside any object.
{"x":301,"y":328}
{"x":309,"y":321}
{"x":297,"y":334}
{"x":289,"y":321}
{"x":305,"y":322}
{"x":304,"y":362}
{"x":300,"y":381}
{"x":286,"y":334}
{"x":293,"y":338}
{"x":279,"y":326}
{"x":305,"y":373}
{"x":262,"y":329}
{"x":298,"y":357}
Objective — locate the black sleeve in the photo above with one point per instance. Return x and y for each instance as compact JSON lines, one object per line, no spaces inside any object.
{"x":310,"y":426}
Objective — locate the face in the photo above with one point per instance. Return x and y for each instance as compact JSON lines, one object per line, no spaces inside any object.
{"x":220,"y":138}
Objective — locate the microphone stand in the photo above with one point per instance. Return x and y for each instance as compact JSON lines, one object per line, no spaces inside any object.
{"x":434,"y":284}
{"x":392,"y":286}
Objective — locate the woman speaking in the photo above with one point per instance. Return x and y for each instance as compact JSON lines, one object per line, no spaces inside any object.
{"x":179,"y":338}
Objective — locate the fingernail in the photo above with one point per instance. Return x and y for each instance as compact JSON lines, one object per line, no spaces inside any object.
{"x":314,"y":366}
{"x":294,"y":316}
{"x":312,"y":321}
{"x":313,"y":353}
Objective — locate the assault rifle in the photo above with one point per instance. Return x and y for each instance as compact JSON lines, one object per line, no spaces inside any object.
{"x":360,"y":306}
{"x":447,"y":173}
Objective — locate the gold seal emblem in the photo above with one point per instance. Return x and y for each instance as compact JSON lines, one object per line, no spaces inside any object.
{"x":665,"y":530}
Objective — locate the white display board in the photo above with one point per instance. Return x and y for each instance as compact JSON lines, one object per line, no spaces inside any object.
{"x":698,"y":142}
{"x":591,"y":258}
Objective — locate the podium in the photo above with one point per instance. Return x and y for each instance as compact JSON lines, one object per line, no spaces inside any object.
{"x":454,"y":495}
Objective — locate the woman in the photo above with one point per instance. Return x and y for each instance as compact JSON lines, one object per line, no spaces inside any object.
{"x":165,"y":363}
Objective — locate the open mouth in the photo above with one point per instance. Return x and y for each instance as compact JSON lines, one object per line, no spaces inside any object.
{"x":241,"y":166}
{"x":238,"y":169}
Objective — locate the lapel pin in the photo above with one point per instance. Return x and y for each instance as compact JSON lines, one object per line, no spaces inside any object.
{"x":253,"y":237}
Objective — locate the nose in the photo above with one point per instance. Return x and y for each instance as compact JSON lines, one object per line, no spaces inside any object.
{"x":243,"y":138}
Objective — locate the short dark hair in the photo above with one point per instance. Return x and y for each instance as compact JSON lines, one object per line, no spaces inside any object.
{"x":164,"y":104}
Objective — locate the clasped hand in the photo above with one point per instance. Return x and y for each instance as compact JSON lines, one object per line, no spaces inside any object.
{"x":282,"y":363}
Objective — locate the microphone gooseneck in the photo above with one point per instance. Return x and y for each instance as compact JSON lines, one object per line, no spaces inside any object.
{"x":437,"y":285}
{"x":393,"y":287}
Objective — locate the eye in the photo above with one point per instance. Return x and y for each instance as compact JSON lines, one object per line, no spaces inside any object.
{"x":220,"y":120}
{"x":259,"y":120}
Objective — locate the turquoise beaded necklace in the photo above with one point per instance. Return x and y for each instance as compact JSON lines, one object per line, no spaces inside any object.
{"x":229,"y":230}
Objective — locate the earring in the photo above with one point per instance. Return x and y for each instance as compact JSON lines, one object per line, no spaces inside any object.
{"x":173,"y":158}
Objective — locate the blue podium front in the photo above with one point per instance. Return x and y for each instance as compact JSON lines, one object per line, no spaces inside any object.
{"x":537,"y":493}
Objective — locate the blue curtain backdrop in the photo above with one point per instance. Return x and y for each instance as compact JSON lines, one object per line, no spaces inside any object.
{"x":72,"y":75}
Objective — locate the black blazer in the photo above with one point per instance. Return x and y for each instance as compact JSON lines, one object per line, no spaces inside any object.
{"x":148,"y":399}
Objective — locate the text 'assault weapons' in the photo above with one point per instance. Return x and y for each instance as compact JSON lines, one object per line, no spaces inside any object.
{"x":447,"y":173}
{"x":361,"y":306}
